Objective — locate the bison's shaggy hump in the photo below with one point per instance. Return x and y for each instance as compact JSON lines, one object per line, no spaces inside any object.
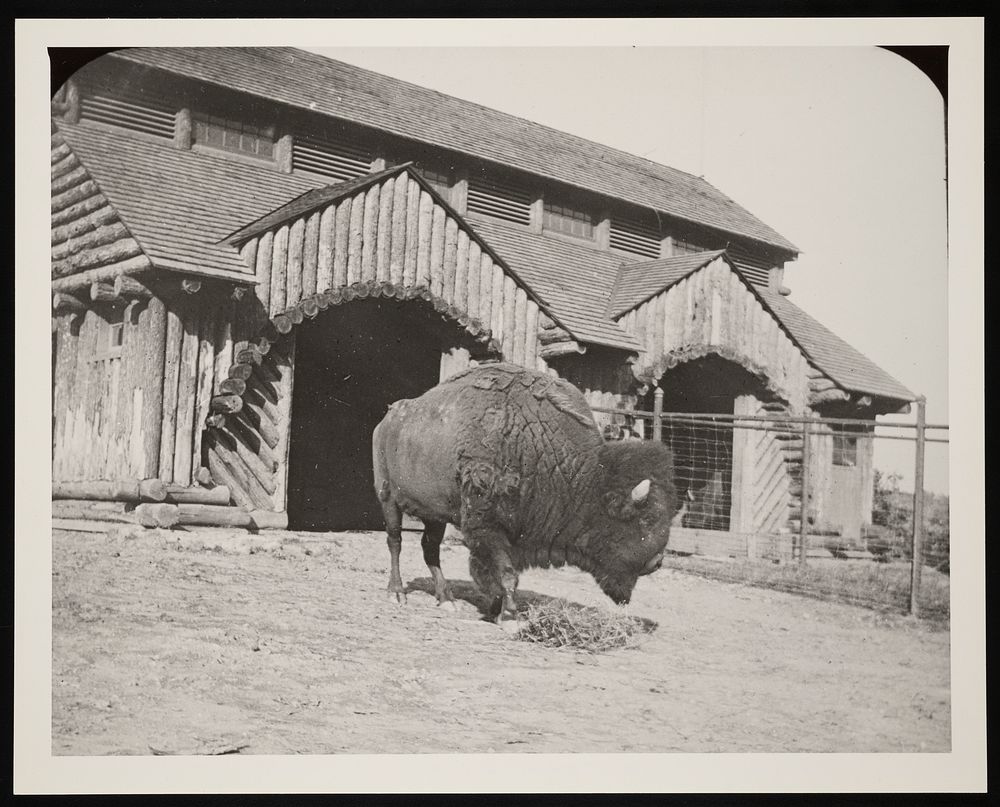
{"x":499,"y":377}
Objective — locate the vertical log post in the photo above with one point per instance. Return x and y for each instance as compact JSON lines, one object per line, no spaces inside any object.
{"x":658,"y":415}
{"x":804,"y":516}
{"x":918,"y":507}
{"x":173,"y":338}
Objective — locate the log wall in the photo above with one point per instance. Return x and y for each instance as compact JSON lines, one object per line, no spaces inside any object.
{"x":394,"y":240}
{"x":712,"y":311}
{"x":138,"y":412}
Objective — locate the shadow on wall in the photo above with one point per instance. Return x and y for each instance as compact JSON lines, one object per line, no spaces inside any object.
{"x":351,"y":364}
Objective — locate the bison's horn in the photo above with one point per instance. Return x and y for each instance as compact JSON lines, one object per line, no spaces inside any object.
{"x":640,"y":492}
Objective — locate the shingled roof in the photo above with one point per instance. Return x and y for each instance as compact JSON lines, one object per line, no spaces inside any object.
{"x":575,"y":280}
{"x":309,"y":81}
{"x":845,"y":365}
{"x":637,"y":282}
{"x":180,"y":204}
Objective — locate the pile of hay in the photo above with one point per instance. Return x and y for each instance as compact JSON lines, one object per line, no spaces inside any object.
{"x":558,"y":623}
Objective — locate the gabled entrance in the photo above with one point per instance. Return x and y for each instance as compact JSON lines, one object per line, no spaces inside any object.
{"x":704,"y":450}
{"x":351,"y":364}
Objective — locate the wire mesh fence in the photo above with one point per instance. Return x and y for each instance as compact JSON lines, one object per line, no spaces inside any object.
{"x":798,"y":504}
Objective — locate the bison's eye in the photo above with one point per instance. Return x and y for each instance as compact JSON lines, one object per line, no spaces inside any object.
{"x":613,"y":502}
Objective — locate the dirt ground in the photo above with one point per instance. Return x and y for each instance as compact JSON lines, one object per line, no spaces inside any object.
{"x":208,"y":643}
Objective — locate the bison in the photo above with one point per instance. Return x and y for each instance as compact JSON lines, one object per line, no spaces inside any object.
{"x":514,"y":459}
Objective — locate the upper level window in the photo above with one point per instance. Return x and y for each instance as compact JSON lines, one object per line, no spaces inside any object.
{"x":110,"y":335}
{"x":568,"y":220}
{"x":439,"y":180}
{"x":682,"y":247}
{"x":234,"y":135}
{"x":845,"y":449}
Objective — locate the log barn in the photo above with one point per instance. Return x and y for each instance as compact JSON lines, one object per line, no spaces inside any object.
{"x":256,"y":250}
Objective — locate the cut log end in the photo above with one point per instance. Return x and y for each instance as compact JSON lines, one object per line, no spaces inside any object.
{"x":163,"y":516}
{"x":283,"y":323}
{"x":152,"y":490}
{"x":233,"y":386}
{"x":226,"y":404}
{"x":102,"y":292}
{"x":125,"y":286}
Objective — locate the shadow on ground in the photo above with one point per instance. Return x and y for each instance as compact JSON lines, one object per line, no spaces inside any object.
{"x":467,"y":591}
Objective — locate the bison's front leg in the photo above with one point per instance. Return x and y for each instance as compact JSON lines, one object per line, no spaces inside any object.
{"x":492,"y":570}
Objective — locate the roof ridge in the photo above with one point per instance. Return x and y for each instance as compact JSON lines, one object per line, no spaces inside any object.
{"x":681,"y":257}
{"x":671,"y":191}
{"x":614,"y":293}
{"x":494,"y":110}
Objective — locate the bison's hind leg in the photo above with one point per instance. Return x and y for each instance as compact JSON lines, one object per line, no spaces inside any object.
{"x":431,"y":544}
{"x":394,"y":538}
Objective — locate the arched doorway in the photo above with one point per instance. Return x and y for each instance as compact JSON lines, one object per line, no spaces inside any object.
{"x":703,"y":450}
{"x":352,"y":362}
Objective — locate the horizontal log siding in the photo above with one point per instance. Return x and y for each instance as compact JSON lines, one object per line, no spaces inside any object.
{"x":713,"y":311}
{"x":86,"y":232}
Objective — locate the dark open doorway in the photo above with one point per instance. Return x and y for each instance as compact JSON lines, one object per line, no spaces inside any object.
{"x":351,"y":363}
{"x":703,"y":451}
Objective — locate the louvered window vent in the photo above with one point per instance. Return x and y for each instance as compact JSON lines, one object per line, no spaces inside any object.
{"x":755,"y":274}
{"x":632,"y":237}
{"x":754,"y":268}
{"x":138,"y":110}
{"x":499,"y":200}
{"x":330,"y":158}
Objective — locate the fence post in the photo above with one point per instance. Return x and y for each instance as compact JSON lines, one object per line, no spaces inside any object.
{"x":804,"y":516}
{"x":918,"y":508}
{"x":658,"y":415}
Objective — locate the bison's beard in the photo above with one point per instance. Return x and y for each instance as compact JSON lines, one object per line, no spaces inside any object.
{"x":617,"y":586}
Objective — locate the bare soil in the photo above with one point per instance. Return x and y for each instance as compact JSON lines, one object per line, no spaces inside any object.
{"x":209,"y":643}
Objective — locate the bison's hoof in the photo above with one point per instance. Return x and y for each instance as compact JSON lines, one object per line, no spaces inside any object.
{"x":511,"y":626}
{"x":450,"y":605}
{"x":400,"y":597}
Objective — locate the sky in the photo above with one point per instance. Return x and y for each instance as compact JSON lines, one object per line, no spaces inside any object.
{"x":840,"y":149}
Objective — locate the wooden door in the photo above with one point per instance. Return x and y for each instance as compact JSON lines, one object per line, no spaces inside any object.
{"x":845,"y":501}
